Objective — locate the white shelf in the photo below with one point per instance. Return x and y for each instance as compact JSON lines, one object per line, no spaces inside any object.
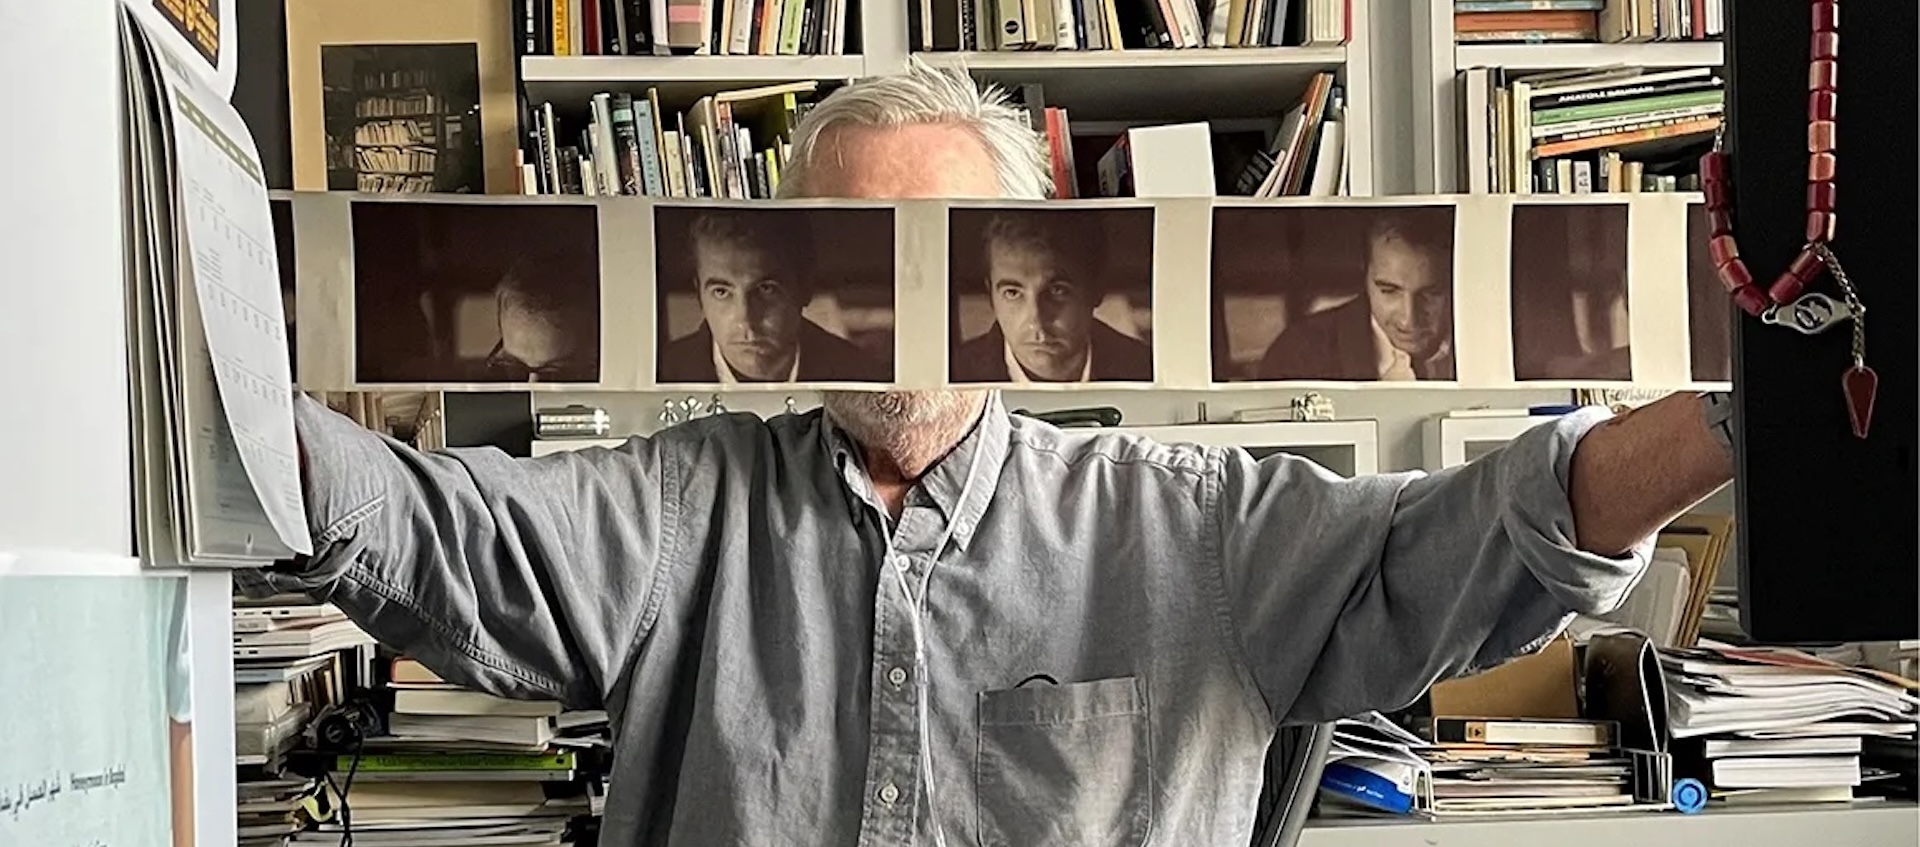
{"x":1879,"y":824}
{"x":574,"y":78}
{"x":1345,"y":447}
{"x":1169,"y":85}
{"x":1545,"y":57}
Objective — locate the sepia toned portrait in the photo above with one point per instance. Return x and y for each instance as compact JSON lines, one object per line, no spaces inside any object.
{"x":1050,"y":295}
{"x":469,"y":293}
{"x":774,"y":295}
{"x":1569,"y":296}
{"x":1334,"y":293}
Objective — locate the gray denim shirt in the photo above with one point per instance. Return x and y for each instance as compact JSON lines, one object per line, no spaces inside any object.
{"x":1067,"y":638}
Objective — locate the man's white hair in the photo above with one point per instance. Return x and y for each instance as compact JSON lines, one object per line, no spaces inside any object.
{"x":930,"y":95}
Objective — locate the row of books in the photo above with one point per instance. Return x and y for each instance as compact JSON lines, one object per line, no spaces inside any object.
{"x":682,"y":27}
{"x":1554,"y":132}
{"x":1447,"y":767}
{"x":1611,"y":21}
{"x":730,"y":145}
{"x":1126,"y":24}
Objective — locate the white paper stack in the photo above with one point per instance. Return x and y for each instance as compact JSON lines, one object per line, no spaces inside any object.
{"x":216,"y":467}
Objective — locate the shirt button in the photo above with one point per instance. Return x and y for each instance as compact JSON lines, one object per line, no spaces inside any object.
{"x":897,"y":676}
{"x":889,"y":794}
{"x":902,"y":562}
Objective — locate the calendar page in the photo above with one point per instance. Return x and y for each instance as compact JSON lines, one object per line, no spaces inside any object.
{"x":229,"y":255}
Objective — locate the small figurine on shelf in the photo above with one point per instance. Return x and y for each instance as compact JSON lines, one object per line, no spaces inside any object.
{"x":1311,"y":406}
{"x":792,"y":408}
{"x":669,"y":413}
{"x":715,"y":407}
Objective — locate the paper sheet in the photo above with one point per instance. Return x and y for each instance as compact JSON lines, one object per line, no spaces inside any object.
{"x":222,"y":197}
{"x":90,"y":709}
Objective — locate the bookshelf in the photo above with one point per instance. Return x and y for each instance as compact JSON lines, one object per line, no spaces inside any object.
{"x":1437,"y":57}
{"x":1106,"y":90}
{"x":573,"y":79}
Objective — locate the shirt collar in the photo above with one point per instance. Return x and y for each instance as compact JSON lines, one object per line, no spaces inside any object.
{"x":724,"y":371}
{"x":945,"y":484}
{"x":1018,"y":374}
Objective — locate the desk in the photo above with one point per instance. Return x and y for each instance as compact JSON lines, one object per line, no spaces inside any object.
{"x":1876,"y":824}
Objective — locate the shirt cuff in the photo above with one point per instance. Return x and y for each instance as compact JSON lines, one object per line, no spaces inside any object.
{"x":1539,"y":519}
{"x":343,"y":487}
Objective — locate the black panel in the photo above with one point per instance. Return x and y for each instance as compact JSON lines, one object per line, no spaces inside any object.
{"x":502,"y":419}
{"x":260,"y":85}
{"x":1827,"y":521}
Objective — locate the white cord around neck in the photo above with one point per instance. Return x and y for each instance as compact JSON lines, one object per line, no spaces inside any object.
{"x":917,"y":608}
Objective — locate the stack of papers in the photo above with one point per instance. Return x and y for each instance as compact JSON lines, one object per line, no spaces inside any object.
{"x":1773,"y":719}
{"x":1375,"y":766}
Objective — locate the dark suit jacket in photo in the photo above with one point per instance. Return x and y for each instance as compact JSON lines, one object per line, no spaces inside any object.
{"x":1117,"y":357}
{"x":824,"y":357}
{"x":1334,"y":344}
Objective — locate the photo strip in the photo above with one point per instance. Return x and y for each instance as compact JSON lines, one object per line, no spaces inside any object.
{"x":1569,"y":293}
{"x":782,"y":295}
{"x":1050,"y":295}
{"x":1333,"y":294}
{"x":453,"y":293}
{"x":1709,"y":308}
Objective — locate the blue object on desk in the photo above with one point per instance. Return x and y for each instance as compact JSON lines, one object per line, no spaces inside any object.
{"x":1552,"y":410}
{"x":1689,"y":796}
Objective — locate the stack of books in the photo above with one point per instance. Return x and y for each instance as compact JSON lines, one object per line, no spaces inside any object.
{"x":1621,"y":129}
{"x":1554,"y":21}
{"x":462,"y":766}
{"x":730,"y":145}
{"x":293,"y":660}
{"x":1779,"y":725}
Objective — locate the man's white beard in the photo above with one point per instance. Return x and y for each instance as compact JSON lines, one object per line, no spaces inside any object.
{"x":914,"y":428}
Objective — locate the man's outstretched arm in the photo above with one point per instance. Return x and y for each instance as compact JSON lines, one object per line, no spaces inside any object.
{"x":521,"y":577}
{"x":1634,"y":473}
{"x":1356,"y":594}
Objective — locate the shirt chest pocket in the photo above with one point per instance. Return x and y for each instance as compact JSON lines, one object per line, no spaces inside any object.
{"x":1065,"y":765}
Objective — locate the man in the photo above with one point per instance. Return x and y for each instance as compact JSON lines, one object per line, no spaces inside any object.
{"x":1045,"y":274}
{"x":918,"y":619}
{"x":549,"y":328}
{"x":1402,"y":329}
{"x":754,"y":272}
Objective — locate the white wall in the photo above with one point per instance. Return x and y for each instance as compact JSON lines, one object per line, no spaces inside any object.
{"x":65,"y":478}
{"x":1399,"y":411}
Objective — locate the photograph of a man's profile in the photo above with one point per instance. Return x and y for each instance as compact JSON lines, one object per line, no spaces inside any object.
{"x":470,"y":293}
{"x":1050,"y":295}
{"x":1569,"y":278}
{"x":1709,"y":311}
{"x":1360,"y":294}
{"x":792,"y":295}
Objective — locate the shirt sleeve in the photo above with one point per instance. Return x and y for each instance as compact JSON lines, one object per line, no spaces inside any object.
{"x":1350,"y":595}
{"x":526,"y":578}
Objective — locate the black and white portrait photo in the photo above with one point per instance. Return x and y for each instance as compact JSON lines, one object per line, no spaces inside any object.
{"x":469,"y":293}
{"x":1569,"y":301}
{"x":403,"y":118}
{"x":1709,"y":306}
{"x":1348,"y":293}
{"x":782,"y":295}
{"x":1050,"y":295}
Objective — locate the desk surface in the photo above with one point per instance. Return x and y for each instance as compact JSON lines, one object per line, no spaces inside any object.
{"x":1870,"y":824}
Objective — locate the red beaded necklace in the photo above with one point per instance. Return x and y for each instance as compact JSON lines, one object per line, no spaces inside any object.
{"x":1787,"y":302}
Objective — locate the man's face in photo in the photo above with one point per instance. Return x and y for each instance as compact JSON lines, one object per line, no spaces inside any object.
{"x":1043,"y":308}
{"x":752,"y":305}
{"x":1410,"y":300}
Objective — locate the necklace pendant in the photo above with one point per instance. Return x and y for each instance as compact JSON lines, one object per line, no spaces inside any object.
{"x":1859,"y":383}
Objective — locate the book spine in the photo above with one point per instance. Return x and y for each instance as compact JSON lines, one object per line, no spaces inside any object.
{"x":626,"y":142}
